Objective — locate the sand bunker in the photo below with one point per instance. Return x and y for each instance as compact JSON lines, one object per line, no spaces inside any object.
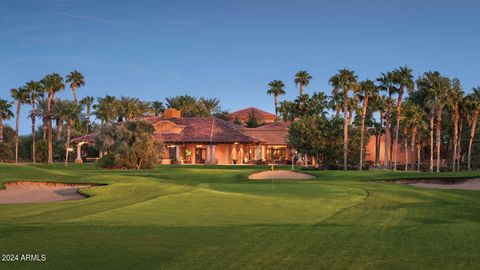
{"x":281,"y":174}
{"x":472,"y":184}
{"x":38,"y":192}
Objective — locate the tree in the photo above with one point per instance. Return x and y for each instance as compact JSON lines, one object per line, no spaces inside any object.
{"x":5,"y":113}
{"x":455,"y":97}
{"x":441,"y":89}
{"x":56,"y":114}
{"x":76,"y":80}
{"x":302,"y":78}
{"x":276,"y":89}
{"x":210,"y":105}
{"x":52,"y":83}
{"x":21,"y":96}
{"x":387,"y":84}
{"x":253,"y":120}
{"x":368,"y":90}
{"x":473,"y":102}
{"x":106,"y":109}
{"x":415,"y":121}
{"x":35,"y":91}
{"x":403,"y":78}
{"x":131,"y":145}
{"x":157,"y":108}
{"x":129,"y":108}
{"x":186,"y":104}
{"x":69,"y":113}
{"x":345,"y":80}
{"x":41,"y":111}
{"x":87,"y":102}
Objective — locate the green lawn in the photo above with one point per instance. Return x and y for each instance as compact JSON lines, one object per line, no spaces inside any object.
{"x":214,"y":218}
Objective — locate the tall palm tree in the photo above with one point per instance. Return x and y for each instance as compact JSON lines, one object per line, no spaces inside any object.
{"x":276,"y":89}
{"x":210,"y":105}
{"x":474,"y":106}
{"x":345,"y":80}
{"x":21,"y":96}
{"x":57,"y":115}
{"x":379,"y":104}
{"x":403,"y":78}
{"x":441,"y":88}
{"x":302,"y":78}
{"x":5,"y":113}
{"x":69,"y":113}
{"x":463,"y":108}
{"x":35,"y":91}
{"x":455,"y":97}
{"x":52,"y":83}
{"x":368,"y":90}
{"x":88,"y":103}
{"x":76,"y":80}
{"x":386,"y":83}
{"x":415,"y":121}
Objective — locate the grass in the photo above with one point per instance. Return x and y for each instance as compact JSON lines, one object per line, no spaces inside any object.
{"x":189,"y":217}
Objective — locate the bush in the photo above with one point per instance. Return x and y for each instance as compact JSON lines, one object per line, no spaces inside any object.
{"x":107,"y":161}
{"x":6,"y":152}
{"x":41,"y":151}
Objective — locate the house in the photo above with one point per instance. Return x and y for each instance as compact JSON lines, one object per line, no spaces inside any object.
{"x":209,"y":140}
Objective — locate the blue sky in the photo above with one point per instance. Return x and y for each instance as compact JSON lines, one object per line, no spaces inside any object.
{"x":231,"y":49}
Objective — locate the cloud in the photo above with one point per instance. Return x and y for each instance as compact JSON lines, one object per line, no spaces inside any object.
{"x":100,"y":20}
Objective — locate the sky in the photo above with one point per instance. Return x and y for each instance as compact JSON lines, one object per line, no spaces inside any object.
{"x":230,"y":49}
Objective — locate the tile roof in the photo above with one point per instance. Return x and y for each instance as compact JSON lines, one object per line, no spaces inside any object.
{"x":243,"y":114}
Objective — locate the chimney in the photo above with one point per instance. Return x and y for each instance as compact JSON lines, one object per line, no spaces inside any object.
{"x":171,"y":113}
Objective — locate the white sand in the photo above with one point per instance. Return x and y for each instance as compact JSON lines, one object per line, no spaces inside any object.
{"x":472,"y":184}
{"x":37,"y":192}
{"x":281,"y":174}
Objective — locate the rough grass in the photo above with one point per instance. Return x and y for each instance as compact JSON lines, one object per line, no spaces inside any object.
{"x":192,"y":217}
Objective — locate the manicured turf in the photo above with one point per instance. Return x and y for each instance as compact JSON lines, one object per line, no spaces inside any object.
{"x":214,"y":218}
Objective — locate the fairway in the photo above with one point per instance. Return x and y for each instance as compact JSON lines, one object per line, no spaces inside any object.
{"x":202,"y":217}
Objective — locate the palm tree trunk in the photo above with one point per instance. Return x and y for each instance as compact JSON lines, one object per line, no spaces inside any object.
{"x":33,"y":130}
{"x":439,"y":133}
{"x":419,"y":144}
{"x":17,"y":123}
{"x":431,"y":139}
{"x":459,"y":140}
{"x":301,"y":88}
{"x":455,"y":136}
{"x":67,"y":143}
{"x":412,"y":144}
{"x":472,"y":134}
{"x":275,"y":100}
{"x":345,"y":129}
{"x":74,"y":87}
{"x":44,"y":129}
{"x":49,"y":128}
{"x":405,"y":145}
{"x":378,"y":137}
{"x":395,"y":146}
{"x":362,"y":131}
{"x":88,"y":117}
{"x":387,"y":139}
{"x":1,"y":127}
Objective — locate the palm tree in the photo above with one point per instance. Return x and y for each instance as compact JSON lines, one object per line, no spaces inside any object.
{"x":403,"y":78}
{"x":57,"y":115}
{"x":35,"y":91}
{"x":52,"y":83}
{"x":88,"y":103}
{"x":302,"y":78}
{"x":463,"y":108}
{"x":345,"y":80}
{"x":76,"y":80}
{"x":441,"y":88}
{"x":157,"y":108}
{"x":474,"y":105}
{"x":210,"y":105}
{"x":386,"y":84}
{"x":379,"y":104}
{"x":41,"y":111}
{"x":106,"y":109}
{"x":415,"y":121}
{"x":21,"y":96}
{"x":368,"y":90}
{"x":5,"y":113}
{"x":129,"y":108}
{"x":69,"y":113}
{"x":455,"y":97}
{"x":276,"y":89}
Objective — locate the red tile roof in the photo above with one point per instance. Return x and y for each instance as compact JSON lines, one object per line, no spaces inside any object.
{"x":243,"y":114}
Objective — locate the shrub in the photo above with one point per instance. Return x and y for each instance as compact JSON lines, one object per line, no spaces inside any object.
{"x":107,"y":161}
{"x":41,"y":151}
{"x":6,"y":152}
